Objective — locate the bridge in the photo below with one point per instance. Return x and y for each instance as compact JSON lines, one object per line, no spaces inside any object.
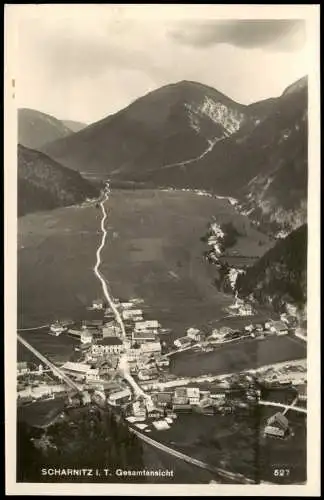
{"x":56,"y":371}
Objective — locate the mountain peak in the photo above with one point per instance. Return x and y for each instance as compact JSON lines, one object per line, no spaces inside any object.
{"x":36,"y":128}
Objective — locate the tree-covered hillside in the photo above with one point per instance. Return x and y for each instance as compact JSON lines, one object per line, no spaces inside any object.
{"x":44,"y":184}
{"x":280,"y":276}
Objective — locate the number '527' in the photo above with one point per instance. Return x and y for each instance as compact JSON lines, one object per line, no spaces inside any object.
{"x":281,"y":472}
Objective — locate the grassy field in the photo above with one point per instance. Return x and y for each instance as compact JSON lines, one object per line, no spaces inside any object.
{"x":41,"y":413}
{"x":55,"y":260}
{"x":249,"y":353}
{"x":153,"y":252}
{"x":288,"y":454}
{"x":236,"y":443}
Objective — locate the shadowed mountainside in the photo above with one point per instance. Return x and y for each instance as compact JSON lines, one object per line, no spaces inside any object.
{"x":44,"y":184}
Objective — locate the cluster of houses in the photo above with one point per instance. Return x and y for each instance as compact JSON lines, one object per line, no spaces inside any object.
{"x":205,"y":341}
{"x":33,"y":385}
{"x":168,"y":404}
{"x":216,"y":235}
{"x":102,"y":343}
{"x":100,"y":332}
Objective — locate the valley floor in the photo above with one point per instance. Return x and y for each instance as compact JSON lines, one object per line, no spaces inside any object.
{"x":154,"y":252}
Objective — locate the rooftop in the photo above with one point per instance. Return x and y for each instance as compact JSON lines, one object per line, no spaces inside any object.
{"x":279,"y":325}
{"x":279,"y":418}
{"x":144,"y":335}
{"x":78,"y":367}
{"x":110,"y":341}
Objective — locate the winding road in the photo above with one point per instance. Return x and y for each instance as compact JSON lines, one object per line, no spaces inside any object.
{"x":123,"y":362}
{"x":98,"y":262}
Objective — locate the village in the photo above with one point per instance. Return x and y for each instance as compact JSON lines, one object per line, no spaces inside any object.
{"x":101,"y":348}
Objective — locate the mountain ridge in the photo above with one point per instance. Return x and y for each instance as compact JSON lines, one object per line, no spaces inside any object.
{"x":188,"y":135}
{"x":167,"y":125}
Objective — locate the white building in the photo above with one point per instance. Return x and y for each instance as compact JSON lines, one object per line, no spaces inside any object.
{"x":133,"y":354}
{"x":57,"y":328}
{"x":41,"y":391}
{"x":86,"y":337}
{"x":193,"y":394}
{"x":146,"y":374}
{"x":246,"y":310}
{"x":151,"y":347}
{"x":92,"y":374}
{"x":22,"y":368}
{"x":79,"y":370}
{"x":182,"y":342}
{"x":120,"y":397}
{"x":108,"y":345}
{"x":98,"y":304}
{"x":139,"y":411}
{"x":279,"y":327}
{"x":161,"y":425}
{"x":86,"y":399}
{"x":163,"y":362}
{"x":151,"y":325}
{"x":132,"y":314}
{"x":219,"y":335}
{"x":126,"y":305}
{"x":194,"y":334}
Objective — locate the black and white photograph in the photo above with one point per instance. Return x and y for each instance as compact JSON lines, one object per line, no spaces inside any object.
{"x":163,"y":229}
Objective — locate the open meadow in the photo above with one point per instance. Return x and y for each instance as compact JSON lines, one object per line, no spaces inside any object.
{"x":153,"y":251}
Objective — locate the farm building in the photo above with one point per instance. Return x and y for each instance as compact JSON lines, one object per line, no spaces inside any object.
{"x":277,"y":425}
{"x":279,"y":327}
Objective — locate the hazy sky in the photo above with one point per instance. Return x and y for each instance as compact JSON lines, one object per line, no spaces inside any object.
{"x":83,"y":63}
